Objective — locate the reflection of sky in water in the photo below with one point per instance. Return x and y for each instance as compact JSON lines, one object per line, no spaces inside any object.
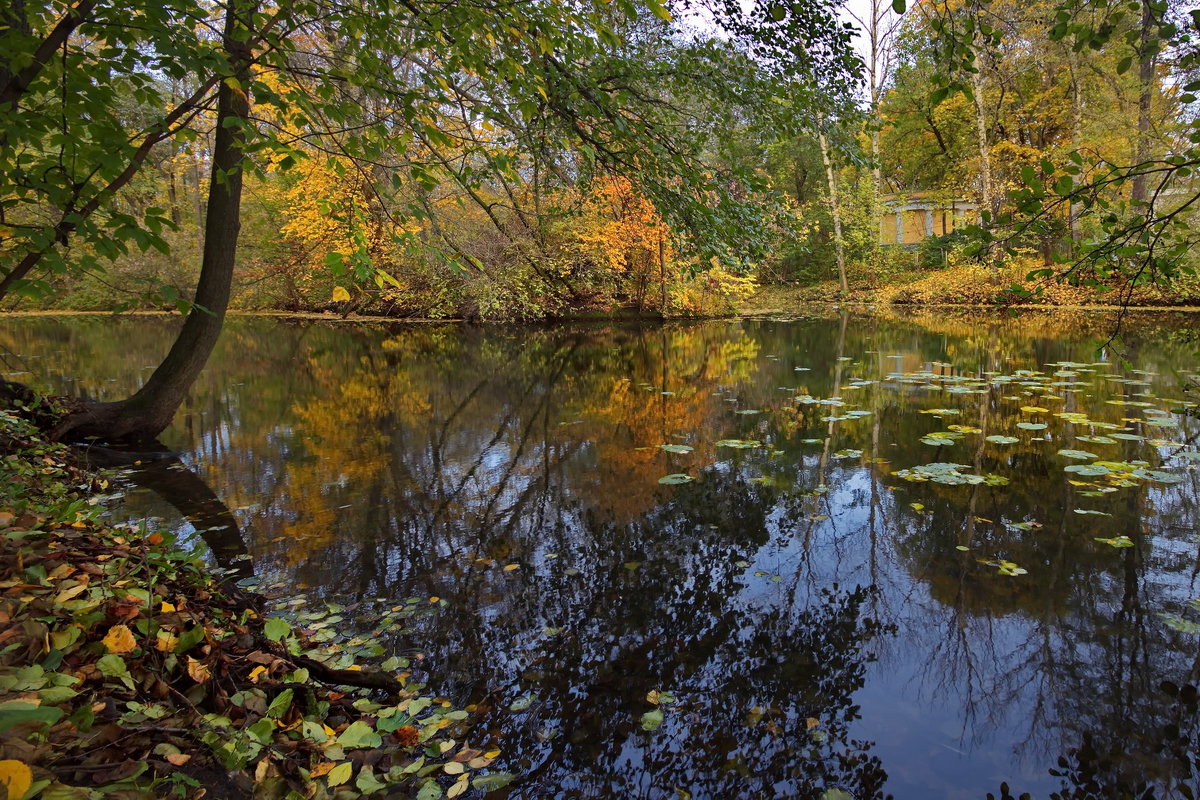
{"x":870,"y":654}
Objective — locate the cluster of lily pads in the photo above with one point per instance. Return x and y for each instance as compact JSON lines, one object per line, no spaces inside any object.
{"x":1039,"y":393}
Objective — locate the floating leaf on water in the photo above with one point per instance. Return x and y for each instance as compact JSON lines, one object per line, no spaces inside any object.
{"x":740,"y":444}
{"x":1035,"y":410}
{"x":948,"y":474}
{"x":1080,"y":454}
{"x":964,"y":429}
{"x":939,"y":439}
{"x":848,"y":454}
{"x":1157,"y":476}
{"x":998,"y":439}
{"x":748,"y":411}
{"x":961,"y":547}
{"x":521,"y":703}
{"x":742,"y":564}
{"x":1116,"y":541}
{"x":1032,"y":426}
{"x":1097,"y":439}
{"x":652,"y":720}
{"x":1093,"y":512}
{"x":1028,"y":525}
{"x":675,"y":448}
{"x":917,"y":506}
{"x":676,"y":478}
{"x":836,"y":794}
{"x":1090,"y":470}
{"x":940,"y":412}
{"x":1190,"y":455}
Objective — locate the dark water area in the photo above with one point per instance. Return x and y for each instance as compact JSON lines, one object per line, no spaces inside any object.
{"x":918,"y":558}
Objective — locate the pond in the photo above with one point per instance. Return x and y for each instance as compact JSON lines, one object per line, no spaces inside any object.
{"x":825,"y":557}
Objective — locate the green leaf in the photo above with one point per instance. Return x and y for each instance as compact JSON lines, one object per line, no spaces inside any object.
{"x":189,"y":639}
{"x":276,"y":628}
{"x":280,"y":705}
{"x":651,"y":720}
{"x":11,"y":716}
{"x":492,"y":781}
{"x":659,"y":10}
{"x":898,"y":6}
{"x":359,"y":736}
{"x":676,"y":478}
{"x":430,"y":790}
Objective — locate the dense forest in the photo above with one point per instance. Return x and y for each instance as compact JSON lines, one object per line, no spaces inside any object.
{"x":515,"y":163}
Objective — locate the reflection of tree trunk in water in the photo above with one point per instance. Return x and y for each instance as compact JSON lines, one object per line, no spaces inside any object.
{"x":984,"y":406}
{"x":823,"y":464}
{"x":164,"y":474}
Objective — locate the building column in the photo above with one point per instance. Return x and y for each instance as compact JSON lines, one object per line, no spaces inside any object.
{"x":899,"y":226}
{"x":929,"y":222}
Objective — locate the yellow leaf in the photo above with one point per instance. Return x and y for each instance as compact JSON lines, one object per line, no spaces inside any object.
{"x":16,"y":778}
{"x":254,"y":673}
{"x":458,"y":788}
{"x":178,"y":759}
{"x":340,"y":294}
{"x":340,"y":774}
{"x":119,"y":639}
{"x":511,"y":567}
{"x":167,"y":608}
{"x":67,"y":594}
{"x":453,"y":768}
{"x":165,"y":642}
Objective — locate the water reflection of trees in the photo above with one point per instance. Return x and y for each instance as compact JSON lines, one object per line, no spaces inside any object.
{"x":371,"y":463}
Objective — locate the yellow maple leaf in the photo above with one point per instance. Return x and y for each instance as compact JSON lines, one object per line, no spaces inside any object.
{"x":119,"y":639}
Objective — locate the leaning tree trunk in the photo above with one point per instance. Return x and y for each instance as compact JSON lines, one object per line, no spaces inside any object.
{"x":150,"y":410}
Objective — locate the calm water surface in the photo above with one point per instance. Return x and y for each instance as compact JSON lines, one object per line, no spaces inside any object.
{"x":829,"y":621}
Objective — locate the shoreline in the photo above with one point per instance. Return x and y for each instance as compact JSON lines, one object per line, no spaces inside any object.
{"x":129,"y":666}
{"x":800,"y":307}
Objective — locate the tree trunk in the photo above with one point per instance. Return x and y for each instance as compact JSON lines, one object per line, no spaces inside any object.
{"x":1076,"y":142}
{"x":986,"y":200}
{"x":834,"y":209}
{"x":148,"y":412}
{"x":1147,"y":58}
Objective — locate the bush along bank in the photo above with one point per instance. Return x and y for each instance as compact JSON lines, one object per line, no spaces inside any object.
{"x":128,"y":670}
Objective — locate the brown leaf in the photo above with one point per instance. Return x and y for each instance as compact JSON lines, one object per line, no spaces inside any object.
{"x":179,"y":759}
{"x":198,"y":670}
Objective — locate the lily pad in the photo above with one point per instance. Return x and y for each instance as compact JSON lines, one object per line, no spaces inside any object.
{"x":676,"y":478}
{"x":675,"y":448}
{"x":1080,"y":454}
{"x":998,"y":439}
{"x":1116,"y":541}
{"x":1032,"y":426}
{"x":1089,"y":470}
{"x":740,"y":444}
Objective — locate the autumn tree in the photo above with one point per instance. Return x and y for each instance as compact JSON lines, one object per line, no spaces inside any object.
{"x":369,"y":82}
